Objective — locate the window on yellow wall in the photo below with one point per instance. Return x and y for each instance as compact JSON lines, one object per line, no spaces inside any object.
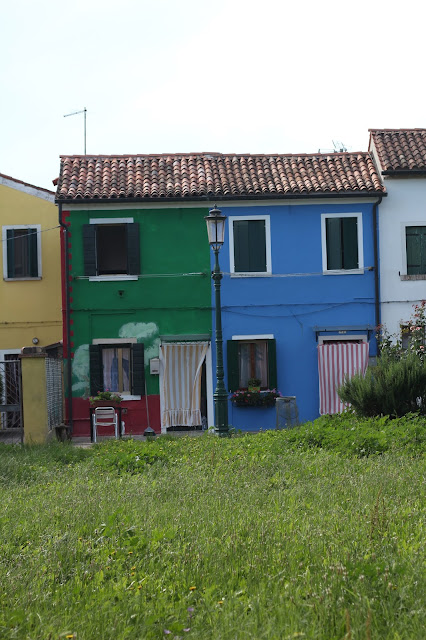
{"x":22,"y":252}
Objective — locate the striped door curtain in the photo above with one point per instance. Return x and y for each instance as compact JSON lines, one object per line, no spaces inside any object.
{"x":335,"y":361}
{"x":181,"y":389}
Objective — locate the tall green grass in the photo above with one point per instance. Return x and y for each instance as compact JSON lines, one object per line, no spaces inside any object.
{"x":261,"y":536}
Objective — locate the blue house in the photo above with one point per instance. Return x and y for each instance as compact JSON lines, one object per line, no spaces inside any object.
{"x":300,"y":287}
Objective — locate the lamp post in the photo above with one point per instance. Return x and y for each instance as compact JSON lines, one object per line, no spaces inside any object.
{"x":216,"y":232}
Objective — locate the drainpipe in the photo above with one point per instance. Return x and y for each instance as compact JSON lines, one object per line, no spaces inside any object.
{"x":67,"y":319}
{"x":376,"y":264}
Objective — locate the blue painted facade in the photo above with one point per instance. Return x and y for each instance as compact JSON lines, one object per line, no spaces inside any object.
{"x":296,"y":299}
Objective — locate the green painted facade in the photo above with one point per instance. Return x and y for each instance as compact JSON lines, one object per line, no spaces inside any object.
{"x":162,"y":301}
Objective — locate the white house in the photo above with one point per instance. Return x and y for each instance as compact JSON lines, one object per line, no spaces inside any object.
{"x":400,"y":157}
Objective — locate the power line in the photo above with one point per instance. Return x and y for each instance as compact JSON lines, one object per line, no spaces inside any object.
{"x":32,"y":233}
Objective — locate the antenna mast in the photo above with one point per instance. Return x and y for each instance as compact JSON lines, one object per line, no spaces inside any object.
{"x":74,"y":113}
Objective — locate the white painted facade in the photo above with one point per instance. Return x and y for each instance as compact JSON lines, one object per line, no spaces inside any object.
{"x":404,"y":206}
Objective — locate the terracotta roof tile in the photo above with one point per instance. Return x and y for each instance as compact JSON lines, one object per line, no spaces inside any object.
{"x":199,"y":176}
{"x":400,"y":150}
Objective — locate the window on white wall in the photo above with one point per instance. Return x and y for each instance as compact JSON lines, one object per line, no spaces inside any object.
{"x":21,"y":252}
{"x":342,"y":248}
{"x":415,"y":239}
{"x":250,"y":245}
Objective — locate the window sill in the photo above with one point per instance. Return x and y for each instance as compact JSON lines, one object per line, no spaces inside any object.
{"x":343,"y":272}
{"x":118,"y":278}
{"x":130,"y":397}
{"x":418,"y":276}
{"x":21,"y":279}
{"x":252,"y":274}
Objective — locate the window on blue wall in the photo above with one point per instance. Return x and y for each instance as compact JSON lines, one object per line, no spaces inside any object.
{"x":342,"y":242}
{"x":22,"y":252}
{"x":250,"y":245}
{"x":251,"y":358}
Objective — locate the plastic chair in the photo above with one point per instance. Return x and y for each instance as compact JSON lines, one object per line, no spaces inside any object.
{"x":104,"y":417}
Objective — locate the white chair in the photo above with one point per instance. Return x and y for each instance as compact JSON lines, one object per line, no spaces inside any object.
{"x":104,"y":417}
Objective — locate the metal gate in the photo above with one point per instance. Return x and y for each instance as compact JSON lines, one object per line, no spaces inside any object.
{"x":11,"y":423}
{"x":54,"y":392}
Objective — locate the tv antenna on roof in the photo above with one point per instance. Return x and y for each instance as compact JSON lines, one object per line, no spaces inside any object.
{"x":74,"y":113}
{"x":339,"y":147}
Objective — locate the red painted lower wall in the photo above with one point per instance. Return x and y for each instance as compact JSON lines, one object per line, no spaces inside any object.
{"x":134,"y":415}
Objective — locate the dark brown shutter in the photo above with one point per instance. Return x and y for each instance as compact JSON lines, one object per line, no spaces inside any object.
{"x":233,"y":365}
{"x":89,"y":249}
{"x":138,"y":370}
{"x":133,"y":249}
{"x":272,"y":364}
{"x":96,"y":369}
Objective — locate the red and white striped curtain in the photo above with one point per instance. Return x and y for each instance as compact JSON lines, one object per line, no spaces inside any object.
{"x":335,"y":361}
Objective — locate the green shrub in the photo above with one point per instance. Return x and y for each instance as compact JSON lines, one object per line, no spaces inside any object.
{"x":393,"y":387}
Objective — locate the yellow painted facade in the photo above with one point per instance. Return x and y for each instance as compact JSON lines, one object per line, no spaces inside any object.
{"x":30,"y":308}
{"x":34,"y":400}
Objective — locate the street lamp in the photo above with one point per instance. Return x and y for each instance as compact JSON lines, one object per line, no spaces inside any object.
{"x":216,"y":232}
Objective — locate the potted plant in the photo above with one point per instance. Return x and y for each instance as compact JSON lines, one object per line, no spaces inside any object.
{"x":105,"y":399}
{"x":247,"y":398}
{"x":253,"y":384}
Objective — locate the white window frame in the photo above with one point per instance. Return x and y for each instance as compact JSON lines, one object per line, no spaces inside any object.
{"x":111,"y":278}
{"x":250,"y":274}
{"x":360,"y":269}
{"x":403,"y":270}
{"x":5,"y":229}
{"x":117,"y":341}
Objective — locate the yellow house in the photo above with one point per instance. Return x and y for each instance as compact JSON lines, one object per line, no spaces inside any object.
{"x":30,"y":286}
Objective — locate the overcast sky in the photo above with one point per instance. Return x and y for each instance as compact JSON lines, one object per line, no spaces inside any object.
{"x":243,"y":76}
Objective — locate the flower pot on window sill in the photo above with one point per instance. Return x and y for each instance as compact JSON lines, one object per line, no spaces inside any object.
{"x":248,"y":398}
{"x":104,"y":403}
{"x":256,"y":389}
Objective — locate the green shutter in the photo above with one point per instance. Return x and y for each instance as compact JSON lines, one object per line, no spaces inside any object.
{"x":241,"y":246}
{"x":416,"y":250}
{"x":250,"y":246}
{"x":257,"y":246}
{"x":350,"y":243}
{"x":31,"y":242}
{"x":138,"y":369}
{"x":10,"y":242}
{"x":89,"y":249}
{"x":133,"y":249}
{"x":233,"y":365}
{"x":272,"y":364}
{"x":96,"y":369}
{"x":334,"y":243}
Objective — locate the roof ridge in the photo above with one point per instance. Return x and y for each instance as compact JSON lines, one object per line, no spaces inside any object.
{"x":217,"y":154}
{"x":398,"y":130}
{"x":26,"y":184}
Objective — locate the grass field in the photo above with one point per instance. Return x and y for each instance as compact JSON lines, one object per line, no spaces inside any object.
{"x":261,"y":536}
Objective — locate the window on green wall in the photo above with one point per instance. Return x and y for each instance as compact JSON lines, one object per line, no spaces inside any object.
{"x":22,"y":252}
{"x":415,"y":238}
{"x":251,"y":357}
{"x":250,"y":245}
{"x":117,"y":367}
{"x":342,"y":242}
{"x":111,"y":248}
